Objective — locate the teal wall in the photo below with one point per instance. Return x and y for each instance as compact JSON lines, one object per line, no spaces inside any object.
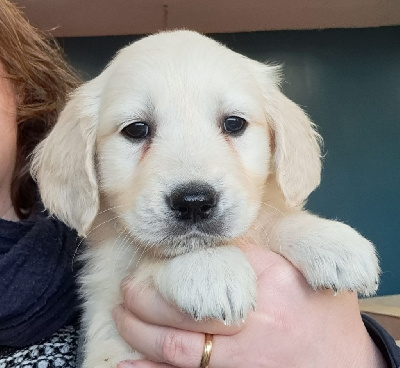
{"x":349,"y":83}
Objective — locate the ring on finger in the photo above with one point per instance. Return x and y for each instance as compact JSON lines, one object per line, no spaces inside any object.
{"x":208,"y":344}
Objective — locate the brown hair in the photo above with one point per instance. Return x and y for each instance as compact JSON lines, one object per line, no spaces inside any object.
{"x":42,"y":78}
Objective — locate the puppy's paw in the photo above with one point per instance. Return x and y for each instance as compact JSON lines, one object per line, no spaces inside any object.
{"x":337,"y":257}
{"x":212,"y":283}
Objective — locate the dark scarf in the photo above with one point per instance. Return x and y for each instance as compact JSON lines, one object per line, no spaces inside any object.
{"x":37,"y":279}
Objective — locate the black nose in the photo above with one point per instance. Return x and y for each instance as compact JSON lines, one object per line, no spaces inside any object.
{"x":194,"y":201}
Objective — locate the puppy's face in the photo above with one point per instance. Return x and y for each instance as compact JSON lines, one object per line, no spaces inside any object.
{"x":183,"y":146}
{"x":175,"y":141}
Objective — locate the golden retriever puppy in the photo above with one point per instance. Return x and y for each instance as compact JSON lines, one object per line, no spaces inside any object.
{"x":176,"y":154}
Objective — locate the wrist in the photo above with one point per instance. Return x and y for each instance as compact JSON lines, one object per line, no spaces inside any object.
{"x":371,"y":356}
{"x":354,"y":346}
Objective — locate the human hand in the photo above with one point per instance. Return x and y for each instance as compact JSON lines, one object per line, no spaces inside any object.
{"x":293,"y":326}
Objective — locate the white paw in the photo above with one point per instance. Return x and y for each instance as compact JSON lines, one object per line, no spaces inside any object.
{"x":212,"y":283}
{"x":337,"y":257}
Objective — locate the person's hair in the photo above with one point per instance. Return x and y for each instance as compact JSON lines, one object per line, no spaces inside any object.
{"x":33,"y":61}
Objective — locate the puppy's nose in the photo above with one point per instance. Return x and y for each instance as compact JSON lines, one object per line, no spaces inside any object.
{"x":193,"y":201}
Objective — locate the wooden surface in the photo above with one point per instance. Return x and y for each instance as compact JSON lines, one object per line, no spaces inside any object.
{"x":385,"y":310}
{"x":386,"y":305}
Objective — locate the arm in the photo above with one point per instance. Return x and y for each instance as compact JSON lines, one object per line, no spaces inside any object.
{"x":293,"y":326}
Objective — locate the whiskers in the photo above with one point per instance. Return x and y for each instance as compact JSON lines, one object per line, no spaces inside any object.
{"x":269,"y":227}
{"x":131,"y":249}
{"x":263,"y":233}
{"x":274,"y":208}
{"x":83,"y":238}
{"x":121,"y":247}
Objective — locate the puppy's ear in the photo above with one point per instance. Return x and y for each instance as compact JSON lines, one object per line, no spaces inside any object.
{"x":63,"y":164}
{"x":297,"y":153}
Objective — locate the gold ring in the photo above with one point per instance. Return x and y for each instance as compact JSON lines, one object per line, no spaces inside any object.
{"x":208,"y":343}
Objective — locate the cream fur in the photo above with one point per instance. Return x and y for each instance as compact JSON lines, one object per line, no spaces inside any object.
{"x":112,"y":190}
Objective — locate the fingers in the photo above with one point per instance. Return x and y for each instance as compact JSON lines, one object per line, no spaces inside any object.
{"x":160,"y":344}
{"x":149,"y":306}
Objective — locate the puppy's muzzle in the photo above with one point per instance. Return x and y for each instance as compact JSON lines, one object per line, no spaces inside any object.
{"x":193,"y":202}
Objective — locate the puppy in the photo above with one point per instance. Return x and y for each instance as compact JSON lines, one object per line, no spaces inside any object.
{"x":176,"y":154}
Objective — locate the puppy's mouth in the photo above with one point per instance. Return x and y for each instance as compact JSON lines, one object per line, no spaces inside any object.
{"x":196,"y":229}
{"x":174,"y":244}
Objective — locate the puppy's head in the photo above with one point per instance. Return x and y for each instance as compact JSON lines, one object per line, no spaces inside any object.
{"x":176,"y":140}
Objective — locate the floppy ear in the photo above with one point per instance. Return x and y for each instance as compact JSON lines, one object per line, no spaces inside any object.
{"x":297,"y":155}
{"x":63,"y":163}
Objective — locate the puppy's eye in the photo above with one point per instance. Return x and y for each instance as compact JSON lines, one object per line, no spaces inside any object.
{"x":234,"y":125}
{"x":137,"y":130}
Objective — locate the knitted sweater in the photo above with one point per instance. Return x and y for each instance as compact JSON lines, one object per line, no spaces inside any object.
{"x":37,"y":279}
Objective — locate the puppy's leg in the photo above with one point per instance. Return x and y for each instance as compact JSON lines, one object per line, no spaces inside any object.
{"x":330,"y":254}
{"x":104,"y":348}
{"x":211,"y":283}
